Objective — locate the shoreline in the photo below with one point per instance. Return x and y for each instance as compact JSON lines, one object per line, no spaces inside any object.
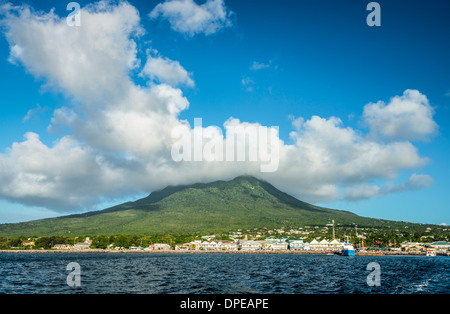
{"x":208,"y":252}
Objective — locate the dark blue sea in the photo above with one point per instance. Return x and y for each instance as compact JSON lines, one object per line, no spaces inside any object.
{"x":138,"y":273}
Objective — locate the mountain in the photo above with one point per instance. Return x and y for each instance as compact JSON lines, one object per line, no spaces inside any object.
{"x":244,"y":202}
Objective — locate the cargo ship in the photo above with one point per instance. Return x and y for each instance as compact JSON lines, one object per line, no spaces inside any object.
{"x":348,"y":249}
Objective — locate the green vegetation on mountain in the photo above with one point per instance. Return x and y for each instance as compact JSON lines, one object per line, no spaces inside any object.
{"x":244,"y":202}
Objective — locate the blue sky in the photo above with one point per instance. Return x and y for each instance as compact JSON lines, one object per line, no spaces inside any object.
{"x":271,"y":63}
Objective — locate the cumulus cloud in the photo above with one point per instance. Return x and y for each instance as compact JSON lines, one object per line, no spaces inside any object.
{"x":366,"y":191}
{"x":326,"y":155}
{"x":112,"y":116}
{"x":54,"y":177}
{"x":120,"y":135}
{"x":164,"y":70}
{"x":77,"y":60}
{"x":190,"y":18}
{"x":407,"y":117}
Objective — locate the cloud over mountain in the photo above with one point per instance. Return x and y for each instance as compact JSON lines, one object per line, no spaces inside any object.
{"x":120,"y":133}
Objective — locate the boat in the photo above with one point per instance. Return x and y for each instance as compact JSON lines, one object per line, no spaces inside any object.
{"x":431,"y":252}
{"x":348,"y":250}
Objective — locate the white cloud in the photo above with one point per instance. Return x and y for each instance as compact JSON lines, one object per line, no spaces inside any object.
{"x":296,"y":122}
{"x":407,"y":117}
{"x":78,"y":60}
{"x":61,"y":177}
{"x":120,"y":133}
{"x":92,"y":64}
{"x":188,"y":17}
{"x":258,"y":65}
{"x":361,"y":192}
{"x":365,"y":191}
{"x":326,"y":156}
{"x":113,"y":116}
{"x":248,"y":84}
{"x":33,"y":112}
{"x":418,"y":181}
{"x":164,"y":70}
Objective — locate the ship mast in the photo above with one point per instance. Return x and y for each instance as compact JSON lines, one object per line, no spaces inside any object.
{"x":334,"y":237}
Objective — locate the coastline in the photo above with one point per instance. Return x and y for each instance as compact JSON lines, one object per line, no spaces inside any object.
{"x":207,"y":252}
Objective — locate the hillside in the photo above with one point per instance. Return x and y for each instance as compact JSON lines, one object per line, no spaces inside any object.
{"x":244,"y":202}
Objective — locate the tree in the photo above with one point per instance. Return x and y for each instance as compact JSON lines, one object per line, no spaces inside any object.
{"x":44,"y":243}
{"x":100,"y":242}
{"x":15,"y":242}
{"x":49,"y":242}
{"x":122,"y":240}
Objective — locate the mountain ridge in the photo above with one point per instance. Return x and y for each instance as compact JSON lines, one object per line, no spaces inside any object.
{"x":243,"y":202}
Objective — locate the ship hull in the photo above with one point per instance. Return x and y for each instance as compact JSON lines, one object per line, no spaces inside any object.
{"x":348,"y":252}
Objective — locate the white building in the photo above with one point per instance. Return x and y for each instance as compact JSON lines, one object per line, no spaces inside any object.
{"x":296,"y":245}
{"x":62,"y":247}
{"x":323,"y":245}
{"x":250,"y":245}
{"x":311,"y":246}
{"x":159,"y":246}
{"x":228,"y":245}
{"x":441,"y":245}
{"x":209,"y":245}
{"x":276,"y":245}
{"x":83,"y":245}
{"x":335,"y":245}
{"x":219,"y":245}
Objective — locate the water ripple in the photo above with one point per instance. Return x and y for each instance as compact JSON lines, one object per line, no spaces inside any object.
{"x":222,"y":273}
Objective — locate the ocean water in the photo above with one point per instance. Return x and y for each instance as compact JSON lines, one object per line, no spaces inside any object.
{"x":136,"y":273}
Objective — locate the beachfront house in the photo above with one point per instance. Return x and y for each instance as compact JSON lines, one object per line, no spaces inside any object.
{"x":250,"y":245}
{"x":312,"y":246}
{"x":219,"y":245}
{"x":62,"y":247}
{"x":183,"y":247}
{"x":323,"y":245}
{"x":335,"y":245}
{"x":83,"y":245}
{"x":413,"y":247}
{"x":193,"y":245}
{"x":296,"y":245}
{"x":441,"y":246}
{"x":276,"y":245}
{"x":159,"y":246}
{"x":212,"y":245}
{"x":228,"y":245}
{"x":27,"y":243}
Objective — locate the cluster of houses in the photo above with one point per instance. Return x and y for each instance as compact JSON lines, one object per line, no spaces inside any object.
{"x":438,"y":246}
{"x":76,"y":246}
{"x":223,"y":245}
{"x":266,"y":245}
{"x":281,"y":245}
